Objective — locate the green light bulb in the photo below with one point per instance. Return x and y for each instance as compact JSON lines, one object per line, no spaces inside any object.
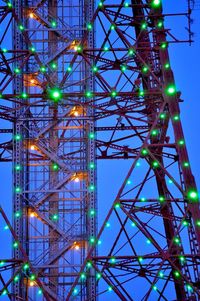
{"x":113,"y":260}
{"x":177,"y":240}
{"x":176,"y":118}
{"x":92,"y":212}
{"x":4,"y":50}
{"x":83,"y":276}
{"x":186,"y":164}
{"x":143,"y":25}
{"x":198,"y":223}
{"x":18,"y":167}
{"x":89,"y":26}
{"x":106,"y":48}
{"x":24,"y":95}
{"x":17,"y":137}
{"x":133,"y":224}
{"x":98,"y":276}
{"x":161,"y":274}
{"x":16,"y":278}
{"x":32,"y":49}
{"x":94,"y":69}
{"x":162,"y":116}
{"x":171,"y":90}
{"x":91,"y":135}
{"x":91,"y":187}
{"x":40,"y":291}
{"x":91,"y":165}
{"x":117,"y":205}
{"x":185,"y":223}
{"x":140,"y":259}
{"x":167,"y":66}
{"x":128,"y":182}
{"x":2,"y":263}
{"x":79,"y":48}
{"x":92,"y":240}
{"x":181,"y":142}
{"x":55,"y":167}
{"x":112,"y":27}
{"x":53,"y":23}
{"x":9,"y":4}
{"x":43,"y":69}
{"x":110,"y":289}
{"x":161,"y":199}
{"x":21,"y":27}
{"x":55,"y":94}
{"x":54,"y":65}
{"x":107,"y":225}
{"x":26,"y":266}
{"x":17,"y":214}
{"x":193,"y":195}
{"x":100,"y":4}
{"x":18,"y":189}
{"x":88,"y":94}
{"x":154,"y":133}
{"x":141,"y":93}
{"x":55,"y":217}
{"x":144,"y":152}
{"x":189,"y":287}
{"x":145,"y":69}
{"x":17,"y":70}
{"x":156,"y":3}
{"x":123,"y":68}
{"x":155,"y":164}
{"x":113,"y":94}
{"x":126,"y":4}
{"x":4,"y":292}
{"x":15,"y":244}
{"x":89,"y":264}
{"x":32,"y":277}
{"x":69,"y":69}
{"x":182,"y":259}
{"x":163,"y":45}
{"x":131,"y":52}
{"x":160,"y":24}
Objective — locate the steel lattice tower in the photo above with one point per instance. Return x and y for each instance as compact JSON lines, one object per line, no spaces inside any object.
{"x":73,"y":99}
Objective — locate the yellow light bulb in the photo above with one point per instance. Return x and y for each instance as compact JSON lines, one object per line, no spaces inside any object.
{"x":76,"y":113}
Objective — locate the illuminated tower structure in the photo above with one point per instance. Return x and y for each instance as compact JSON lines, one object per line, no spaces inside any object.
{"x":75,"y":101}
{"x":53,"y":142}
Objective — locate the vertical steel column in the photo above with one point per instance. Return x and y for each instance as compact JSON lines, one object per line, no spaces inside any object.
{"x":19,"y":206}
{"x":91,"y":152}
{"x":53,"y":144}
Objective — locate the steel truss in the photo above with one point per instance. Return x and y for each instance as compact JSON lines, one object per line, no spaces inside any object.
{"x":74,"y":101}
